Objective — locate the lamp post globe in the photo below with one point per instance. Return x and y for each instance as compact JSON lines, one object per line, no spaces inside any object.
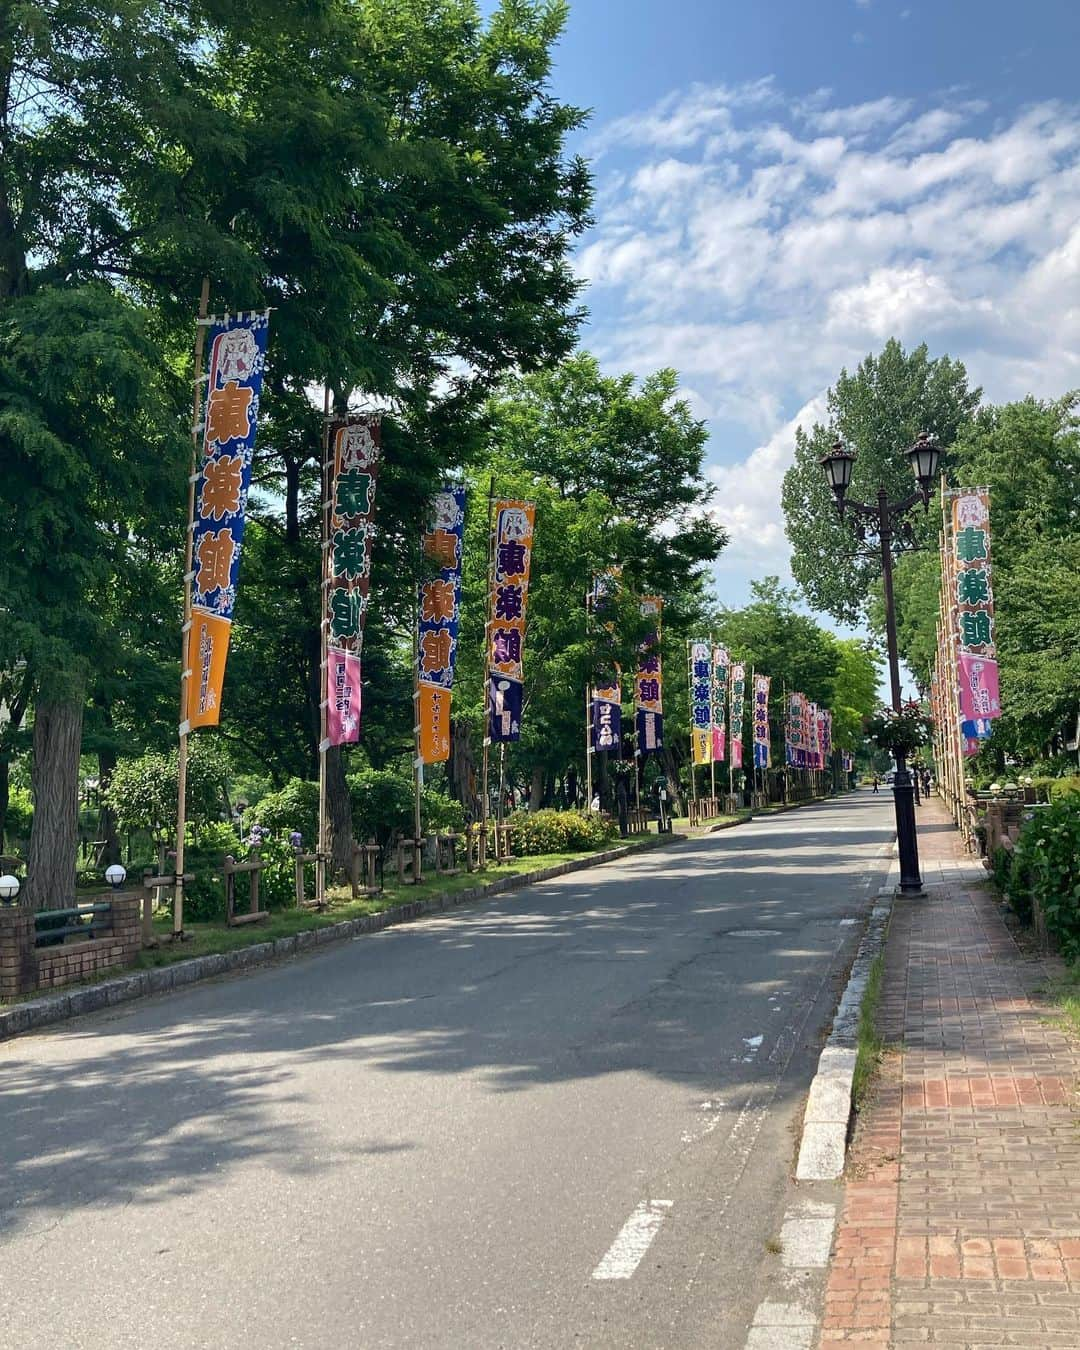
{"x":837,"y":463}
{"x":9,"y":888}
{"x":924,"y":457}
{"x":115,"y":876}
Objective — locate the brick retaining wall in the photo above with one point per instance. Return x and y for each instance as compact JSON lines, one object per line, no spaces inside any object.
{"x":25,"y":969}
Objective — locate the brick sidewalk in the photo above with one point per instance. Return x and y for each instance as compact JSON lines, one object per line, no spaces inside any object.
{"x":961,"y":1219}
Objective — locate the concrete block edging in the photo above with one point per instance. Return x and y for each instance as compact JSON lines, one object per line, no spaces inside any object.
{"x":823,"y":1147}
{"x":35,"y":1013}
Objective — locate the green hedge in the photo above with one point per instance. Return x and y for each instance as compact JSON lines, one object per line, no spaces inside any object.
{"x":537,"y":832}
{"x":1045,"y":871}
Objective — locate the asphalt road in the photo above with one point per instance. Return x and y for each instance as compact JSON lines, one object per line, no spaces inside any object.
{"x":564,"y":1118}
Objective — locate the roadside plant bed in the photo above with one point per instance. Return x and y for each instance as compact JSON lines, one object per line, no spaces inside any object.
{"x":1041,"y":876}
{"x":537,"y":833}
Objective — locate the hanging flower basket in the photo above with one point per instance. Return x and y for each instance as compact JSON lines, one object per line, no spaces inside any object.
{"x":900,"y":733}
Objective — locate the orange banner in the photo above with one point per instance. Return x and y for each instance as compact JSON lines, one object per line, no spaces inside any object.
{"x":205,"y":651}
{"x":434,"y":711}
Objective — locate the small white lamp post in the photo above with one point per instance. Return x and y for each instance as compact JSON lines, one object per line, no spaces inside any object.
{"x":115,"y":876}
{"x":9,"y":888}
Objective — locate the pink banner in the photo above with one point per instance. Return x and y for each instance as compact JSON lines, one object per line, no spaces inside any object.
{"x":343,"y":696}
{"x":719,"y":736}
{"x":979,"y":694}
{"x":736,"y":754}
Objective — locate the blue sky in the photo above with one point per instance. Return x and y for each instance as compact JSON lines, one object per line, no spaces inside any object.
{"x":783,"y":184}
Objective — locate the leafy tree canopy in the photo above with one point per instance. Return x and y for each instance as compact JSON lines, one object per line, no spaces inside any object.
{"x":878,"y":411}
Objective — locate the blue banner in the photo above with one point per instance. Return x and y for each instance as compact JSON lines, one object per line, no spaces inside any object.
{"x":230,"y":414}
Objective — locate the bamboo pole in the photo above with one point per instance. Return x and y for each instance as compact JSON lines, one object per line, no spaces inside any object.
{"x":728,"y":690}
{"x":712,"y":728}
{"x":322,"y":846}
{"x":690,"y":704}
{"x":588,"y":747}
{"x":418,"y":762}
{"x":748,"y":686}
{"x":487,"y":687}
{"x":185,"y":636}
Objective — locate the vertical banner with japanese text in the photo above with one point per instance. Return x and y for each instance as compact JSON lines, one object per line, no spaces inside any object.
{"x":720,"y":663}
{"x":824,"y":737}
{"x":761,"y":721}
{"x":355,"y":456}
{"x":973,"y":597}
{"x":513,"y":523}
{"x":737,"y":706}
{"x":701,"y":716}
{"x":793,"y":731}
{"x":606,"y":708}
{"x":814,"y":735}
{"x":649,"y":681}
{"x":230,"y":416}
{"x":438,"y":622}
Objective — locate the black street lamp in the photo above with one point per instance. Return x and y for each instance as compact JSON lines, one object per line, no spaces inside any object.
{"x":885,"y":520}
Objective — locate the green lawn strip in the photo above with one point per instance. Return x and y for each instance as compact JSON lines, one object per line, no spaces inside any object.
{"x":870,"y":1041}
{"x":205,"y":939}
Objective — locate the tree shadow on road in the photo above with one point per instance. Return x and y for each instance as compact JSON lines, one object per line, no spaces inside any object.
{"x":161,"y":1098}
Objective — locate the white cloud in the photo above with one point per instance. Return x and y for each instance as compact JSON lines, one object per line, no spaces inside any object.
{"x":861,"y":117}
{"x":758,"y":245}
{"x":747,"y":494}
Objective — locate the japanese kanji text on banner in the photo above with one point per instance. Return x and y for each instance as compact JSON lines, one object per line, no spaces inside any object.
{"x":511,"y":547}
{"x":738,"y":696}
{"x":355,"y":457}
{"x":977,"y":668}
{"x":649,"y":682}
{"x":761,"y":721}
{"x":606,"y":710}
{"x":437,"y":639}
{"x":230,"y":415}
{"x":720,"y":662}
{"x":701,"y":717}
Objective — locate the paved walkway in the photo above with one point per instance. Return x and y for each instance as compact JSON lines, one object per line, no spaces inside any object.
{"x":961,"y":1221}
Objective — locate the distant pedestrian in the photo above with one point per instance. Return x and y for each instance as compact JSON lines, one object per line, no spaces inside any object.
{"x":875,"y":782}
{"x":594,"y":805}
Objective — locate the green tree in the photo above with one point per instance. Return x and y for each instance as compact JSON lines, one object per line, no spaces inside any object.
{"x":637,"y":500}
{"x":390,"y":177}
{"x":774,"y":637}
{"x":878,"y":411}
{"x":92,"y":448}
{"x":855,"y":690}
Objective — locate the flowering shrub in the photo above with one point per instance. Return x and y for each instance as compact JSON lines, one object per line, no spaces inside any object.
{"x":538,"y":832}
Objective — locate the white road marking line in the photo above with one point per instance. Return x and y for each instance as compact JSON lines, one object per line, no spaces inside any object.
{"x":635,"y":1237}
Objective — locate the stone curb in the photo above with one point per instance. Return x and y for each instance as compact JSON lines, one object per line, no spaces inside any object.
{"x":828,"y":1106}
{"x":42,"y":1012}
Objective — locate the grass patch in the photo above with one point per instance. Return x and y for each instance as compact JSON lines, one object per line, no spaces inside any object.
{"x":1064,"y":993}
{"x":870,"y":1042}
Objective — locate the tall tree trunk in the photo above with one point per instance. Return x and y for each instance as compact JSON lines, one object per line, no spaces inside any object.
{"x":339,"y":809}
{"x":671,"y":771}
{"x":536,"y":790}
{"x":461,"y":770}
{"x":54,"y":836}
